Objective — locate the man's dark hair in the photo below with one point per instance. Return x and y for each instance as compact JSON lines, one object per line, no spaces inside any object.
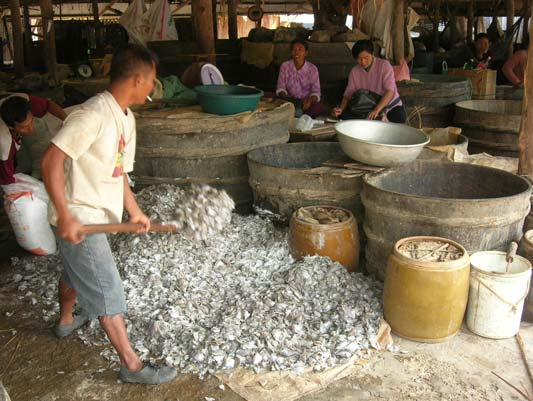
{"x":481,"y":36}
{"x":300,"y":41}
{"x":362,"y":46}
{"x":129,"y":60}
{"x":14,"y":110}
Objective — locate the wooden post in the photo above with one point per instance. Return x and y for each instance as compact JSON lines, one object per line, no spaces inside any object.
{"x":525,"y":136}
{"x":27,"y":29}
{"x":202,"y":15}
{"x":47,"y":14}
{"x":233,"y":31}
{"x":436,"y":20}
{"x":509,"y":8}
{"x":97,"y":26}
{"x":18,"y":42}
{"x":398,"y":31}
{"x":215,"y":20}
{"x":470,"y":24}
{"x":525,"y":22}
{"x":258,"y":4}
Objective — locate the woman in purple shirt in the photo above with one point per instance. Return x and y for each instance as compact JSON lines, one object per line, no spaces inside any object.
{"x":374,"y":75}
{"x":298,"y":81}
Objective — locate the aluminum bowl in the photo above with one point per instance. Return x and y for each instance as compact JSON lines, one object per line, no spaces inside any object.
{"x":380,"y":144}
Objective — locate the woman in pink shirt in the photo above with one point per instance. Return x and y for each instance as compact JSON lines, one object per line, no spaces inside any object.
{"x":374,"y":75}
{"x":299,"y":82}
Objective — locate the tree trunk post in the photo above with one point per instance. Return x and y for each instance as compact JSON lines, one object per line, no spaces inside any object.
{"x":27,"y":29}
{"x":202,"y":15}
{"x":18,"y":42}
{"x":470,"y":25}
{"x":436,"y":20}
{"x":525,"y":136}
{"x":398,"y":31}
{"x":47,"y":14}
{"x":233,"y":31}
{"x":258,"y":4}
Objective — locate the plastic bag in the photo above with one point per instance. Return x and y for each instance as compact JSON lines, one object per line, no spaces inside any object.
{"x":145,"y":26}
{"x":362,"y":103}
{"x":26,"y":205}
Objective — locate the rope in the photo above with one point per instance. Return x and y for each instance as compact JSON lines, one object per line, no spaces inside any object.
{"x":513,"y":306}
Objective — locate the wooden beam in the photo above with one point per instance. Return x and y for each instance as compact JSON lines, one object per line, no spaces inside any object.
{"x":108,"y":7}
{"x":470,"y":24}
{"x":398,"y":31}
{"x":233,"y":30}
{"x":525,"y":136}
{"x":18,"y":42}
{"x":202,"y":19}
{"x":180,"y":6}
{"x":509,"y":8}
{"x":47,"y":14}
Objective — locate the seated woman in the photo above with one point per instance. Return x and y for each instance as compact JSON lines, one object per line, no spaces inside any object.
{"x":374,"y":75}
{"x":480,"y":53}
{"x":298,"y":81}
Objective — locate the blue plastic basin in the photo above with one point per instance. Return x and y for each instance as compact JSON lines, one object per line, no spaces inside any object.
{"x":227,"y":99}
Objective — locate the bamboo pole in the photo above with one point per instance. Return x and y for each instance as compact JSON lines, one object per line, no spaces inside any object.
{"x":398,"y":31}
{"x":232,"y":19}
{"x":509,"y":8}
{"x":470,"y":24}
{"x":525,"y":136}
{"x":47,"y":14}
{"x":18,"y":42}
{"x":202,"y":16}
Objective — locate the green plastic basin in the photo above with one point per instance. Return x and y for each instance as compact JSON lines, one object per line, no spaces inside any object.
{"x":227,"y":99}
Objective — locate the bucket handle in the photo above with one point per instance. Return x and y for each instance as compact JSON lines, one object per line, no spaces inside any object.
{"x":513,"y":306}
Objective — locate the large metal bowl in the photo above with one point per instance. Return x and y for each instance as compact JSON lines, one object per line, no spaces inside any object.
{"x":380,"y":144}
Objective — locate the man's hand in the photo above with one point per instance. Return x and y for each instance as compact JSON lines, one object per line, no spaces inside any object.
{"x":142,"y":219}
{"x":373,"y":114}
{"x":70,"y":229}
{"x":283,"y":94}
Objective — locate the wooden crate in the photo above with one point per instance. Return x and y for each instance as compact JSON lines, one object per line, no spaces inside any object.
{"x":483,"y":82}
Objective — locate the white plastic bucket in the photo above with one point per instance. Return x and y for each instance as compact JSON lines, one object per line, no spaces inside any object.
{"x":496,"y":298}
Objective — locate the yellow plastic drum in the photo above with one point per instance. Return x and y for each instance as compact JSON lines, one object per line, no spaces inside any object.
{"x":426,"y":288}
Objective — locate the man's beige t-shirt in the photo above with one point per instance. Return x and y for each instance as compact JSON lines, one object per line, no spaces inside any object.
{"x":99,"y":139}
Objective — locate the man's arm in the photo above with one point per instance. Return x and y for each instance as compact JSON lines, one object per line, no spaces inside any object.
{"x":131,"y":205}
{"x":57,"y":110}
{"x":53,"y":172}
{"x":508,"y":70}
{"x":40,"y":106}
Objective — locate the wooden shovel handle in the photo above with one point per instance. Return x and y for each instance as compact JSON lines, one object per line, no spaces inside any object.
{"x":125,"y":228}
{"x":511,"y":252}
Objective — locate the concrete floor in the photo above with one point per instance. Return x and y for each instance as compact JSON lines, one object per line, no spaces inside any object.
{"x":36,"y":366}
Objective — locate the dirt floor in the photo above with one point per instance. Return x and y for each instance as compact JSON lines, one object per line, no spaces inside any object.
{"x":36,"y":366}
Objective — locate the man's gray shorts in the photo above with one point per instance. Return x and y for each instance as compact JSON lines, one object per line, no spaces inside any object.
{"x":89,"y":268}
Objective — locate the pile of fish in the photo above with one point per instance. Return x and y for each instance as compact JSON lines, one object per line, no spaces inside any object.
{"x":198,"y":211}
{"x":322,"y":215}
{"x":236,"y":299}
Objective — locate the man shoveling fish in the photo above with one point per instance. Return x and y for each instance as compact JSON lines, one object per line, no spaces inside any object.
{"x":85,"y":173}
